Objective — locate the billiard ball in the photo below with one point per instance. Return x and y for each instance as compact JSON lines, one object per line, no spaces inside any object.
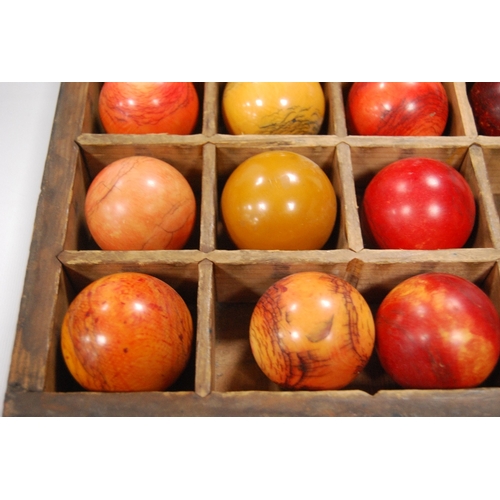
{"x":485,"y":101}
{"x":438,"y":331}
{"x":397,"y":108}
{"x":127,"y":332}
{"x":148,"y":107}
{"x":140,"y":203}
{"x":273,"y":107}
{"x":418,"y":204}
{"x":279,"y":200}
{"x":312,"y":330}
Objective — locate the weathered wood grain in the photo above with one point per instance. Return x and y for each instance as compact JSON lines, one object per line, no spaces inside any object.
{"x":41,"y":287}
{"x":397,"y":403}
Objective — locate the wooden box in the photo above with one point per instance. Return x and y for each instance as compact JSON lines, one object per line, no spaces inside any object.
{"x":221,"y":284}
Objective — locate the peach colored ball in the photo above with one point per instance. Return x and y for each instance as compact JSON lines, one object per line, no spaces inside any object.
{"x":140,"y":203}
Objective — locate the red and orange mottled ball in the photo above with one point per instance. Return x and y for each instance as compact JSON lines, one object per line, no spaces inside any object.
{"x":127,"y":332}
{"x":438,"y":331}
{"x":397,"y":108}
{"x":148,"y":107}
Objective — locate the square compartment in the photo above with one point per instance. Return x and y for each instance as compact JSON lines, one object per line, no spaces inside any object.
{"x":93,"y":157}
{"x":368,"y":161}
{"x":77,"y":274}
{"x":229,"y":157}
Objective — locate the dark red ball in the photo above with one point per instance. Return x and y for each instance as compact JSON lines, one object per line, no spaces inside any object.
{"x":485,"y":101}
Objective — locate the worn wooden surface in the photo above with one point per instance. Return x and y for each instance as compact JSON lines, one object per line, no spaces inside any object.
{"x":410,"y":403}
{"x":32,"y":343}
{"x":222,"y":284}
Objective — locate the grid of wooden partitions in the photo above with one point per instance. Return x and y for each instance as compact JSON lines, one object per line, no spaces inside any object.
{"x":222,"y":284}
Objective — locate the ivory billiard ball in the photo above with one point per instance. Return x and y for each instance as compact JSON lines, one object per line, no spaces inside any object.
{"x":276,"y":108}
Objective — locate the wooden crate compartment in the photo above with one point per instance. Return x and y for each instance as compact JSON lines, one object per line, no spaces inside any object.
{"x":80,"y":271}
{"x":229,"y":156}
{"x":222,"y":284}
{"x":369,"y":159}
{"x":238,"y":287}
{"x":96,"y":152}
{"x":241,"y":279}
{"x":491,"y":154}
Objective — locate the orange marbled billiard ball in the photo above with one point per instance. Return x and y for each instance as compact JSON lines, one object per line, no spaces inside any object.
{"x":148,"y":107}
{"x":279,"y":200}
{"x":127,"y":332}
{"x":273,"y":107}
{"x":140,"y":203}
{"x":312,"y":330}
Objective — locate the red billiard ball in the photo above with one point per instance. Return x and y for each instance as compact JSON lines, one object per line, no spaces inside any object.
{"x":419,"y":204}
{"x":485,"y":101}
{"x":397,"y":108}
{"x":438,"y":331}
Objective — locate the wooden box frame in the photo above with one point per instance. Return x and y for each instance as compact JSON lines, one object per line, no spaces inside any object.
{"x":222,"y":284}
